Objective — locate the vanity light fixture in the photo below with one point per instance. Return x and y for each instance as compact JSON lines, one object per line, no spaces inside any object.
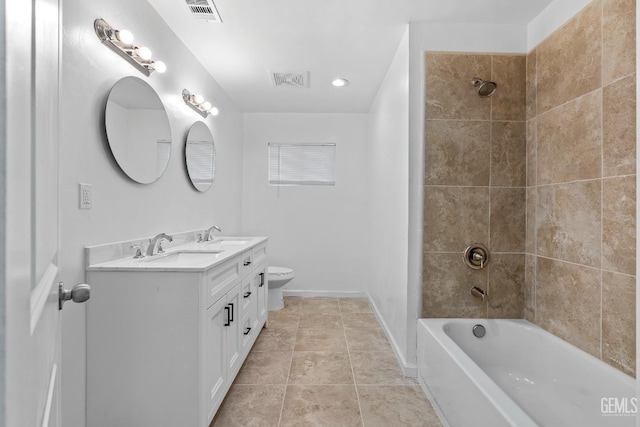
{"x":121,"y":42}
{"x":197,"y":102}
{"x":340,"y":82}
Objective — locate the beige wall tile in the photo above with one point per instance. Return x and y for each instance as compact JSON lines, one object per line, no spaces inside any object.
{"x":619,"y":224}
{"x":618,"y":321}
{"x":455,"y":217}
{"x":531,"y":237}
{"x":508,"y":219}
{"x":532,"y":148}
{"x":447,"y":284}
{"x":568,"y":302}
{"x":508,"y":154}
{"x":531,"y":85}
{"x":506,"y":286}
{"x":619,"y":127}
{"x":619,"y":39}
{"x":530,"y":288}
{"x":509,"y":100}
{"x":569,"y":141}
{"x":449,"y":93}
{"x":457,"y":152}
{"x":568,"y":222}
{"x":569,"y":61}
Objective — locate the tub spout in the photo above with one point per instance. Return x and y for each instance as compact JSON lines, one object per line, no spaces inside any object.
{"x":477,"y":292}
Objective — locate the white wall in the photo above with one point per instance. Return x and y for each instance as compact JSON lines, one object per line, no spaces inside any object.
{"x":388,"y":168}
{"x":122,"y":209}
{"x":320,"y":232}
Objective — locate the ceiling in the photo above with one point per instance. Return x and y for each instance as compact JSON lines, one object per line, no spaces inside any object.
{"x":353,"y":39}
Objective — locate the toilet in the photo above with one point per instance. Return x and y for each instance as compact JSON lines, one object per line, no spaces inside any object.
{"x":278,"y":277}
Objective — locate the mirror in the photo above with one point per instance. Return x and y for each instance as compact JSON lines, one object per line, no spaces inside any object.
{"x":138,"y":130}
{"x":200,"y":155}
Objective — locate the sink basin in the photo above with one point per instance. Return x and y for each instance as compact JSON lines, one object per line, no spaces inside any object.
{"x":230,"y":242}
{"x":185,"y":258}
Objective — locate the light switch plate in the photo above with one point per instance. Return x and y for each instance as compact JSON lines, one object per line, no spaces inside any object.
{"x":85,"y":196}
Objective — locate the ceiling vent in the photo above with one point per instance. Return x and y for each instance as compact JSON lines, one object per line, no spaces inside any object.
{"x":288,"y":79}
{"x":204,"y":9}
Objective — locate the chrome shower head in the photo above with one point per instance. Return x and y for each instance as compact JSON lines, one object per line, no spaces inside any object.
{"x":486,"y":89}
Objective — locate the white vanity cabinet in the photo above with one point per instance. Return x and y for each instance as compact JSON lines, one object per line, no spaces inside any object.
{"x":164,"y":345}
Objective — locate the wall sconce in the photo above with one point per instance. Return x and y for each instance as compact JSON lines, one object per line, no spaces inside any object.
{"x":197,"y":102}
{"x":121,"y":42}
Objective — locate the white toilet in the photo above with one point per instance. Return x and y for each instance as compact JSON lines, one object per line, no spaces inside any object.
{"x":278,"y":277}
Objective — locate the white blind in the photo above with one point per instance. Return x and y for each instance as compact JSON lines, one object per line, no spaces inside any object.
{"x":302,"y":164}
{"x":200,"y":161}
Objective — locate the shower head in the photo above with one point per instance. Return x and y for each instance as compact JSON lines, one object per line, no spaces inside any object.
{"x":486,"y":89}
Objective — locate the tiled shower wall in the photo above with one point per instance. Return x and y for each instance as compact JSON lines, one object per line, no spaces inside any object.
{"x":557,"y":211}
{"x":475,"y":177}
{"x":581,"y":178}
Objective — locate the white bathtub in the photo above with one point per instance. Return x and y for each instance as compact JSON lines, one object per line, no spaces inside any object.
{"x":518,"y":375}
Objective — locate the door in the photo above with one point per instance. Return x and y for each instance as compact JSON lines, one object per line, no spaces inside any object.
{"x":29,"y":171}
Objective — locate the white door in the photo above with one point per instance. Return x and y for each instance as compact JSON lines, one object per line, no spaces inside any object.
{"x":30,"y":239}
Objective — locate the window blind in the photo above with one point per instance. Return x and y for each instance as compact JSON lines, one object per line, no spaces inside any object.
{"x":302,"y":164}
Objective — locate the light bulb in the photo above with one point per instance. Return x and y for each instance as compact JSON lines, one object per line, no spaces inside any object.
{"x":198,"y":99}
{"x":159,"y":66}
{"x":144,"y":53}
{"x":214,"y":111}
{"x":340,"y":82}
{"x":206,"y":106}
{"x":124,"y":36}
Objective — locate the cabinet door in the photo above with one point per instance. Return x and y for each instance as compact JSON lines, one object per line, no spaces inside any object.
{"x":262,"y":287}
{"x":216,"y":354}
{"x":234,"y":332}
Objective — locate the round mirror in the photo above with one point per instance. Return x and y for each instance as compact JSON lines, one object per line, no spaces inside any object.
{"x":200,"y":154}
{"x":138,"y":130}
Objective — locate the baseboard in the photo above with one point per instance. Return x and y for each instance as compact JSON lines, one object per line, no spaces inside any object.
{"x":335,"y":294}
{"x":408,"y":369}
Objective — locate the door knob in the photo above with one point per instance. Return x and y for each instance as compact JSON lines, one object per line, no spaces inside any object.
{"x":79,"y":293}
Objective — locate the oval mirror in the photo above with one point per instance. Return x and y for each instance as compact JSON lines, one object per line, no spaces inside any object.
{"x":200,"y":155}
{"x":138,"y":130}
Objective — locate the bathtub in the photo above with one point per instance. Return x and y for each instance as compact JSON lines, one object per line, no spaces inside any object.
{"x":518,"y":375}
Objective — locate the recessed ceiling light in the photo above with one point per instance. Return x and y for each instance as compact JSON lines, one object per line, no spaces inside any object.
{"x":340,"y":82}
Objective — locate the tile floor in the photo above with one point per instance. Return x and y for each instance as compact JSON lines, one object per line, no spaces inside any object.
{"x":324,"y":362}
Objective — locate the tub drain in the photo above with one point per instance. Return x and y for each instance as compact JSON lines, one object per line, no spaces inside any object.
{"x":479,"y":331}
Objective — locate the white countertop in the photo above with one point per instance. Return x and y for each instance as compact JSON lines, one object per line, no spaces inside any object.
{"x":226,"y":248}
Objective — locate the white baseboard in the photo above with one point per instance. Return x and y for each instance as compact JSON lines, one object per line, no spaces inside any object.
{"x":409,"y":370}
{"x":335,"y":294}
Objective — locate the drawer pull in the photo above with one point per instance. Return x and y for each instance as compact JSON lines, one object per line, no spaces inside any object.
{"x":228,"y":322}
{"x":231,"y":311}
{"x":247,"y":295}
{"x":247,"y":331}
{"x":246,"y":263}
{"x":261,"y":280}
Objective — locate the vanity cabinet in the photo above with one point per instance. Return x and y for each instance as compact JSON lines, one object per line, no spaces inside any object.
{"x":163,"y":347}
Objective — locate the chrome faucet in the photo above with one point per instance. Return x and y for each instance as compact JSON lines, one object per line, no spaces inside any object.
{"x":209,"y":233}
{"x":158,"y":241}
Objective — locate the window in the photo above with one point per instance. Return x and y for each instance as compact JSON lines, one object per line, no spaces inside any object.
{"x":302,"y":164}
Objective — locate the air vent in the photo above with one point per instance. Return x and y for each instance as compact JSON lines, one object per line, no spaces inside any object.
{"x":289,"y":79}
{"x":204,"y":9}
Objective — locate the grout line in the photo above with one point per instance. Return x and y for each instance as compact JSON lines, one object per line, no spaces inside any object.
{"x":286,"y":385}
{"x":601,"y":166}
{"x":353,"y":374}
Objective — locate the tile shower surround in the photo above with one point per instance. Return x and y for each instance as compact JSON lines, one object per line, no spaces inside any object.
{"x":557,"y":210}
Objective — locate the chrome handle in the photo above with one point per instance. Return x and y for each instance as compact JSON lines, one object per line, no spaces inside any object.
{"x":476,"y":256}
{"x":138,"y":252}
{"x":79,"y":293}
